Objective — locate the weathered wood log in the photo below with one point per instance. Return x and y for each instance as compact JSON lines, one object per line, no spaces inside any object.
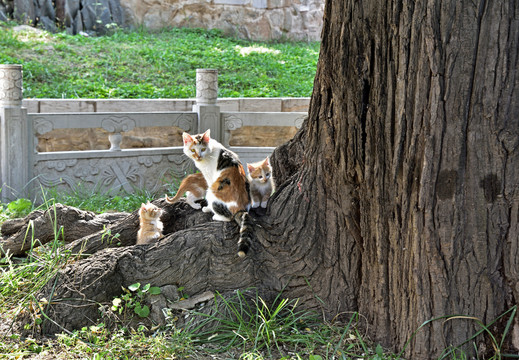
{"x":175,"y":217}
{"x":85,"y":232}
{"x":201,"y":258}
{"x":61,"y":222}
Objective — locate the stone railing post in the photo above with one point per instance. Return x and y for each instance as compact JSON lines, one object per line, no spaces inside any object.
{"x":15,"y":140}
{"x":206,"y":107}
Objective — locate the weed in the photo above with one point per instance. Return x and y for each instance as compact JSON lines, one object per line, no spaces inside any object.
{"x":455,"y":352}
{"x":133,"y":300}
{"x":107,"y":236}
{"x":246,"y":322}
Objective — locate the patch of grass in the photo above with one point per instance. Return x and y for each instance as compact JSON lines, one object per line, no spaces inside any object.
{"x":97,"y":342}
{"x":89,"y":199}
{"x":144,"y":64}
{"x":247,"y":325}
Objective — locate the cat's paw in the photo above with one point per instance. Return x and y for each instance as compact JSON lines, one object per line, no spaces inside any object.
{"x":194,"y":205}
{"x":264,"y":204}
{"x":255,"y":204}
{"x":207,"y":209}
{"x":217,"y":217}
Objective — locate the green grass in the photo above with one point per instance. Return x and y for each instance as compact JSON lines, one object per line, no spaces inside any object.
{"x":143,"y":64}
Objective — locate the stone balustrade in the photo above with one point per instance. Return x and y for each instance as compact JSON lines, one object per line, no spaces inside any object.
{"x":113,"y":166}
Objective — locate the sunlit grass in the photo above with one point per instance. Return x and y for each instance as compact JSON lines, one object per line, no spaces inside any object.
{"x":143,"y":64}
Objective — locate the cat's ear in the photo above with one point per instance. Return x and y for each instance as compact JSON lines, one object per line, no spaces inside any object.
{"x":207,"y":136}
{"x":187,"y":138}
{"x":143,"y":207}
{"x":250,"y":168}
{"x":266,"y":161}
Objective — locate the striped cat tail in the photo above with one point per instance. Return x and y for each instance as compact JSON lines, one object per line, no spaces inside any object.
{"x":246,"y":229}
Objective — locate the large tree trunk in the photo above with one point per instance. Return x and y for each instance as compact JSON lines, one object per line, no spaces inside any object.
{"x":414,"y":134}
{"x":399,"y":197}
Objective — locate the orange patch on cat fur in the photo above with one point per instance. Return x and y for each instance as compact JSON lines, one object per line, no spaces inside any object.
{"x":231,"y":182}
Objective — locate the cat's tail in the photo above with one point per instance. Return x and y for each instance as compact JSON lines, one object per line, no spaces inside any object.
{"x":180,"y":192}
{"x":244,"y":220}
{"x":194,"y":183}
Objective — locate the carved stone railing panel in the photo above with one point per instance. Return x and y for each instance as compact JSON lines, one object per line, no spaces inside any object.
{"x":236,"y":120}
{"x":109,"y":172}
{"x":114,"y":123}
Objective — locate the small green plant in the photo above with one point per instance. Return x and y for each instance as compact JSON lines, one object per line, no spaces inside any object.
{"x":134,"y":298}
{"x":455,"y":352}
{"x":107,"y":236}
{"x":19,"y":208}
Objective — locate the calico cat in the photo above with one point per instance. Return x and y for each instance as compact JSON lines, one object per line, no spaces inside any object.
{"x":150,"y":225}
{"x":261,"y":182}
{"x":194,"y":186}
{"x":227,"y":185}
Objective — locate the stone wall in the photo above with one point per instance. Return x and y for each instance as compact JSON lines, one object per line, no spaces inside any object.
{"x":248,"y":19}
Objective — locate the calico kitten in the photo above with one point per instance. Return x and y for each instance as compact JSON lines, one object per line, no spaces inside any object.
{"x":150,"y":224}
{"x":194,"y":186}
{"x":261,"y":182}
{"x":227,"y":185}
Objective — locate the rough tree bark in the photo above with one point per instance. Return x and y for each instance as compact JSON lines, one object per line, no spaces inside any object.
{"x":399,"y":197}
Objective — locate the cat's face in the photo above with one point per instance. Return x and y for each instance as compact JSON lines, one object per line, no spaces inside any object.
{"x":196,"y":146}
{"x":260,"y":171}
{"x":149,"y":211}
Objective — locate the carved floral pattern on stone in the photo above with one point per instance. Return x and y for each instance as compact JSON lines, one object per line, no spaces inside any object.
{"x":61,"y":165}
{"x":186,"y":122}
{"x":111,"y":174}
{"x":149,"y":160}
{"x":181,"y":165}
{"x":117,"y":124}
{"x":120,"y":174}
{"x":42,"y":126}
{"x":232,"y":122}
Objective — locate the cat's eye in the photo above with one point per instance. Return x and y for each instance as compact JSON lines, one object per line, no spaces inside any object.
{"x":260,"y":177}
{"x":203,"y":149}
{"x":192,"y":150}
{"x":267,"y":175}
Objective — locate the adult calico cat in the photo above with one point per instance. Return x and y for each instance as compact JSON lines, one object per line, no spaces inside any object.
{"x":227,"y":185}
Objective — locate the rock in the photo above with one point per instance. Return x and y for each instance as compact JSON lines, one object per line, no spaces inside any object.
{"x":24,"y":11}
{"x":170,"y":292}
{"x":48,"y":24}
{"x":3,"y":13}
{"x":256,"y":20}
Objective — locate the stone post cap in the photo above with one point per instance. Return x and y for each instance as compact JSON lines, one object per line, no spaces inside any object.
{"x":206,"y":86}
{"x":10,"y":85}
